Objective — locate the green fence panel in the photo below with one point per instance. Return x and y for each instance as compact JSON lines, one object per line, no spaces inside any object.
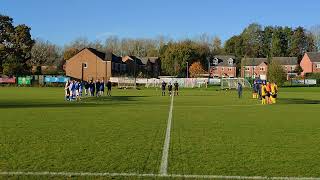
{"x":24,"y":80}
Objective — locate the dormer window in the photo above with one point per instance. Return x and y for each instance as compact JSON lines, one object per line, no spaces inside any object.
{"x":215,"y":61}
{"x":230,"y":61}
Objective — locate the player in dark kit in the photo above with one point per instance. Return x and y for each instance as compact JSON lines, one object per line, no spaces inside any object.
{"x":86,"y":88}
{"x":239,"y":89}
{"x":97,"y":88}
{"x":92,"y":88}
{"x":101,"y":88}
{"x":176,"y":88}
{"x":109,"y":85}
{"x":163,"y":88}
{"x":170,"y":89}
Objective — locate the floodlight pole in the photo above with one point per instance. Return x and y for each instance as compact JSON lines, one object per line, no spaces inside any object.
{"x":135,"y":77}
{"x":187,"y":69}
{"x":97,"y":66}
{"x":82,"y":68}
{"x":208,"y":58}
{"x":135,"y":66}
{"x":252,"y":74}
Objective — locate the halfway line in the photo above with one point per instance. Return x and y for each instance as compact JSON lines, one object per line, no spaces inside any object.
{"x":165,"y":152}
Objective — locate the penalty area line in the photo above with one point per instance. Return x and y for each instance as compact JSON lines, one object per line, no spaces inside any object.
{"x":68,"y":174}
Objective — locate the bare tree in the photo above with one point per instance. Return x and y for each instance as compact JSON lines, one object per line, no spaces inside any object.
{"x":45,"y":53}
{"x":205,"y":39}
{"x":216,"y":45}
{"x":79,"y":43}
{"x":113,"y":44}
{"x":97,"y":45}
{"x":315,"y":31}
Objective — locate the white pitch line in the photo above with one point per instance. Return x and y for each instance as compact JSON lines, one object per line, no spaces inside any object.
{"x":47,"y":173}
{"x":165,"y":151}
{"x":221,"y":106}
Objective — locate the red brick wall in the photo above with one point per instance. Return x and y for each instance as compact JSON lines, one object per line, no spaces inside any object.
{"x":96,"y":67}
{"x":256,"y":71}
{"x":289,"y":68}
{"x":314,"y":68}
{"x":223,"y":71}
{"x":306,"y":65}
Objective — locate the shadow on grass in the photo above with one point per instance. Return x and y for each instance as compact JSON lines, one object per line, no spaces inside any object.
{"x":85,"y":102}
{"x":298,"y":101}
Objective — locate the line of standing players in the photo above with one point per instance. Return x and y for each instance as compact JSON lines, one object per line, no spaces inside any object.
{"x":73,"y":89}
{"x":176,"y":88}
{"x":265,"y":91}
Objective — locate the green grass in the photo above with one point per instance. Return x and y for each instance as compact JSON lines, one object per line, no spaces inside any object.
{"x":213,"y":132}
{"x":276,"y":140}
{"x":39,"y":131}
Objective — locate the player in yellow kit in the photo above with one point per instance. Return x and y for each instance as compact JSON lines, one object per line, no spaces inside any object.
{"x":263,"y":93}
{"x":274,"y":93}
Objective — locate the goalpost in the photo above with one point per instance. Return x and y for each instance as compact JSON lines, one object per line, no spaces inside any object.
{"x":126,"y":82}
{"x":153,"y":82}
{"x":232,"y":83}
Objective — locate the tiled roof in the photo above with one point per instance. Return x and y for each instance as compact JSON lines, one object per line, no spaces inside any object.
{"x":151,"y":59}
{"x":132,"y":58}
{"x":286,"y":60}
{"x":225,"y":63}
{"x":126,"y":58}
{"x":224,"y":57}
{"x":108,"y":56}
{"x":314,"y":56}
{"x":253,"y":61}
{"x":223,"y":60}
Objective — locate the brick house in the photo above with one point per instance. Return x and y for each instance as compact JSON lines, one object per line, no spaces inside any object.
{"x":90,"y":64}
{"x":134,"y":65}
{"x":258,"y":67}
{"x":254,"y":68}
{"x":310,"y":63}
{"x":148,"y":66}
{"x":152,"y":66}
{"x":223,"y":66}
{"x":289,"y":64}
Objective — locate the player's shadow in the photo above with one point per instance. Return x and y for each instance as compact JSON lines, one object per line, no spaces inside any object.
{"x":85,"y":102}
{"x":298,"y":101}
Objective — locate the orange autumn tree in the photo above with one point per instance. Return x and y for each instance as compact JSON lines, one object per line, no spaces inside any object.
{"x":196,"y":69}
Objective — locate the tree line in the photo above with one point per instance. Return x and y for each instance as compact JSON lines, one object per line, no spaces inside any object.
{"x":271,"y":41}
{"x":19,"y":51}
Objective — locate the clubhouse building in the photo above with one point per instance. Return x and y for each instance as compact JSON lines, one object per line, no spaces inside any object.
{"x":91,"y":64}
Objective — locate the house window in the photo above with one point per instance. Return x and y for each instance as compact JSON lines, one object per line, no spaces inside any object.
{"x":230,"y":61}
{"x":229,"y":69}
{"x":247,"y":68}
{"x":85,"y":65}
{"x":261,"y":68}
{"x":318,"y":66}
{"x":222,"y":69}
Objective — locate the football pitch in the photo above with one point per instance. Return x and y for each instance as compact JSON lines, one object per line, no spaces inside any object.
{"x":202,"y":133}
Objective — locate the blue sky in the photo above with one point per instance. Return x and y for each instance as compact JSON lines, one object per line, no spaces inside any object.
{"x":61,"y":21}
